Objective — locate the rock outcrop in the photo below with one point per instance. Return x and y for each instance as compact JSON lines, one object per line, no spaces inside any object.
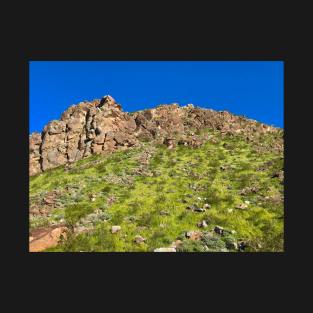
{"x":87,"y":128}
{"x":100,"y":126}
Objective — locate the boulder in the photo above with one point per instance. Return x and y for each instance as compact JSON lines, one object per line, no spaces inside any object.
{"x":120,"y":138}
{"x":48,"y":239}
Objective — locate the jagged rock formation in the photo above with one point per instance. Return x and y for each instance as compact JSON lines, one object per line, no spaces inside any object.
{"x":86,"y":128}
{"x":100,"y":126}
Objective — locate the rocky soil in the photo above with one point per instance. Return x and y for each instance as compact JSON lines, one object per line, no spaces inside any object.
{"x":168,"y":179}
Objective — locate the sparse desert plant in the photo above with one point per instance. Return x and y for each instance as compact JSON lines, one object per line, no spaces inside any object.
{"x":176,"y":173}
{"x":213,"y":243}
{"x":191,"y":246}
{"x":76,"y":211}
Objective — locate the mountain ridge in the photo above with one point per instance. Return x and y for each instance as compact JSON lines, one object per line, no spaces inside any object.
{"x":101,"y":126}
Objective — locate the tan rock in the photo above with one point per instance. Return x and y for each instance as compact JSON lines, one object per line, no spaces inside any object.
{"x":194,"y":235}
{"x":176,"y":243}
{"x":100,"y":126}
{"x":47,"y":240}
{"x":170,"y":249}
{"x":139,"y":239}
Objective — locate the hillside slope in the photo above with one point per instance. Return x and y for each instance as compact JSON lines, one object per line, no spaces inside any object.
{"x":187,"y":180}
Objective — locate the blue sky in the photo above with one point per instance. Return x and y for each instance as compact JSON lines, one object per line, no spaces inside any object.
{"x":250,"y":88}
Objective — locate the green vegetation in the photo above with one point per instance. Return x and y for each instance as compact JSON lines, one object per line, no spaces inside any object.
{"x":215,"y":173}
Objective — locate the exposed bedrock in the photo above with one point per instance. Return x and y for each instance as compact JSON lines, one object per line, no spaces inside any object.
{"x":101,"y":126}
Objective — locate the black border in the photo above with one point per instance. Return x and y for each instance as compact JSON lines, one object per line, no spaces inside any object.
{"x":267,"y":269}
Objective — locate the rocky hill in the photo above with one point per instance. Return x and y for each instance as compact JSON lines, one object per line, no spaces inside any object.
{"x":171,"y":178}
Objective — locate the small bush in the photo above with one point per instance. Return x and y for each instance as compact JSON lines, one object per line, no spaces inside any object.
{"x":75,"y":212}
{"x":191,"y":246}
{"x":159,"y":238}
{"x":117,"y":218}
{"x":183,"y":215}
{"x":100,"y":240}
{"x":145,"y":220}
{"x":106,"y":189}
{"x":213,"y":243}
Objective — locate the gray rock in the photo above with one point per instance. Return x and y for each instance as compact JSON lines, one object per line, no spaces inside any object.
{"x":219,"y":230}
{"x":195,"y":208}
{"x":199,"y":209}
{"x":242,"y":246}
{"x":191,"y":207}
{"x":170,"y":249}
{"x":242,"y":206}
{"x":115,"y":229}
{"x":202,"y":224}
{"x":194,"y":235}
{"x":139,"y":239}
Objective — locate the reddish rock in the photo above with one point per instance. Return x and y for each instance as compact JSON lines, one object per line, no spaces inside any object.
{"x":100,"y":126}
{"x":47,"y":239}
{"x":194,"y":235}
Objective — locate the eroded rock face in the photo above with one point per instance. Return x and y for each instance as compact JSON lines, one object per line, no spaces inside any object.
{"x":100,"y":126}
{"x":34,"y":153}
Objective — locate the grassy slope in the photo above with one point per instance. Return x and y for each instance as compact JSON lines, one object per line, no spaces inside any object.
{"x":177,"y":173}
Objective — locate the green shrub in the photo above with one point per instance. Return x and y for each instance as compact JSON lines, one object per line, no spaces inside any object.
{"x":213,"y":243}
{"x":106,"y":189}
{"x":117,"y":217}
{"x":159,"y":238}
{"x":145,"y":219}
{"x":191,"y":246}
{"x":76,"y":211}
{"x":100,"y":240}
{"x":145,"y":197}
